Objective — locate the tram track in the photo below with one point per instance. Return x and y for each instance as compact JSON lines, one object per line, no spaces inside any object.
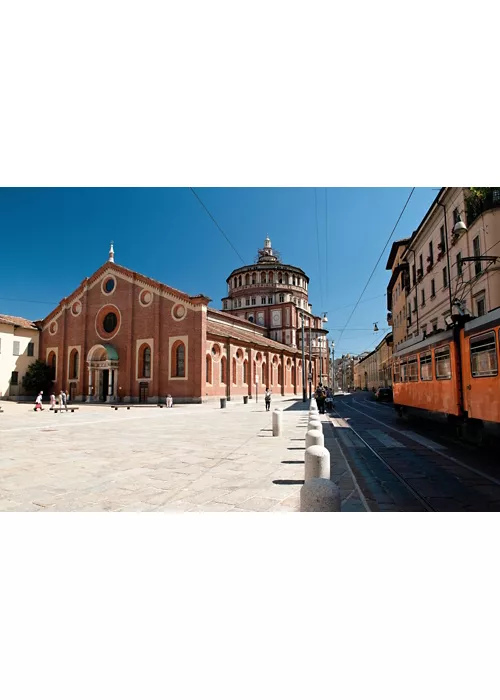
{"x":405,"y":470}
{"x":427,"y":506}
{"x":441,"y":453}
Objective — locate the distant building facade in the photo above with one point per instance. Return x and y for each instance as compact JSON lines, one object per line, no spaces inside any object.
{"x":374,"y":369}
{"x":19,"y":347}
{"x":122,"y":336}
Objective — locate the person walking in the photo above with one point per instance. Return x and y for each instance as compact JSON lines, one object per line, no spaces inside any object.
{"x":320,"y":398}
{"x":267,"y":398}
{"x":52,"y":401}
{"x":64,"y":400}
{"x":38,"y":402}
{"x":170,"y":401}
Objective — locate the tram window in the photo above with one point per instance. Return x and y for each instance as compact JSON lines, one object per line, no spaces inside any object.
{"x":396,"y":372}
{"x":426,"y":368}
{"x":483,"y":355}
{"x":413,"y":369}
{"x":404,"y":370}
{"x":443,"y":363}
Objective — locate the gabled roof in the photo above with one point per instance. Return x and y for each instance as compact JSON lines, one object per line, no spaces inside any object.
{"x":394,"y":249}
{"x":198,"y":299}
{"x":17,"y":321}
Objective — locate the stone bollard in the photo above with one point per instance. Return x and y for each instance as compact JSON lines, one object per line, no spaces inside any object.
{"x":317,"y":463}
{"x":277,"y":422}
{"x":315,"y":425}
{"x":314,"y":437}
{"x":319,"y":496}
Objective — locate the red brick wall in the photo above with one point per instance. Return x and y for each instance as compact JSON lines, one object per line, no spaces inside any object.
{"x":136,"y":321}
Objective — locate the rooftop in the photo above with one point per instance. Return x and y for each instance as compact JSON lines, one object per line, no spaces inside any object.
{"x":17,"y":321}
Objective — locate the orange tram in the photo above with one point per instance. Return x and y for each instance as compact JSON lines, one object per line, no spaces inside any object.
{"x":453,"y":376}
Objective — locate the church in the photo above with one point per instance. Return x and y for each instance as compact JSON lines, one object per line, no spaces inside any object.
{"x":124,"y":337}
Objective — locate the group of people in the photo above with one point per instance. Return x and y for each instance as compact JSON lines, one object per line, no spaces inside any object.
{"x":324,"y":398}
{"x":63,"y":401}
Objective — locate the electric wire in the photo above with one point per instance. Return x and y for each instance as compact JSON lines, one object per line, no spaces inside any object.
{"x":215,"y":222}
{"x":376,"y":264}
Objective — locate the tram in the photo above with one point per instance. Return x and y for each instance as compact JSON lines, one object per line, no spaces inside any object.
{"x":453,"y":375}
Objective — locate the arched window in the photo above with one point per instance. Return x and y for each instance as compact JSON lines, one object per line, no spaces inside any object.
{"x":254,"y":278}
{"x":223,"y":370}
{"x":73,"y":364}
{"x":293,"y":375}
{"x":146,"y":362}
{"x":280,"y":279}
{"x":178,"y":359}
{"x":209,"y":369}
{"x":235,"y":378}
{"x":263,"y":277}
{"x":235,"y":281}
{"x":282,"y":298}
{"x":245,"y":372}
{"x":264,"y":373}
{"x":51,"y":361}
{"x":247,"y":278}
{"x":271,"y":278}
{"x":280,"y":374}
{"x":239,"y":281}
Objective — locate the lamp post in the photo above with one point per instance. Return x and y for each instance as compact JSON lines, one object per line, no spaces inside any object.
{"x":333,"y":367}
{"x":310,"y":361}
{"x":325,"y":320}
{"x":304,"y":392}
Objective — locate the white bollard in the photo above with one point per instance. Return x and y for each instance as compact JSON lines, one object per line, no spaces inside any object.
{"x":319,"y":496}
{"x":277,"y":422}
{"x":317,"y":463}
{"x":314,"y":437}
{"x":315,"y":425}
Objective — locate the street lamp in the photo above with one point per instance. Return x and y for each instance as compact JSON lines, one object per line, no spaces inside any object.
{"x":325,"y":320}
{"x":333,"y":367}
{"x":304,"y":394}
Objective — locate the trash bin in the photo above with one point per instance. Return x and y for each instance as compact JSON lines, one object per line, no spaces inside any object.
{"x":223,"y":403}
{"x":245,"y":399}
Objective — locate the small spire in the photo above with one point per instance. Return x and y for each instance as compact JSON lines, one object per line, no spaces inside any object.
{"x":267,"y":242}
{"x":111,"y":253}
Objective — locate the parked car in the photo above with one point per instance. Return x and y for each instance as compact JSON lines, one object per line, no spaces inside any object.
{"x":383,"y":394}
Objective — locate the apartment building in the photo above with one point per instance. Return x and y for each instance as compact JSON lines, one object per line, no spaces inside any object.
{"x":396,"y":291}
{"x":451,"y":259}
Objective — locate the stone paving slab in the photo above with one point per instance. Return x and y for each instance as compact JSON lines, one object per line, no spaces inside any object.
{"x":193,"y":458}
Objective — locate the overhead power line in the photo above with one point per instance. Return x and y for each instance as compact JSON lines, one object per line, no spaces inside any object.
{"x":376,"y":264}
{"x":215,"y":222}
{"x":319,"y":253}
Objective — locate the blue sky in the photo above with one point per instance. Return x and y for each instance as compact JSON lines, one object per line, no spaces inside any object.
{"x":51,"y":239}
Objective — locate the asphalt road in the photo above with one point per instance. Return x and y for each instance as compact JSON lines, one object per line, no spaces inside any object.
{"x":416,"y":466}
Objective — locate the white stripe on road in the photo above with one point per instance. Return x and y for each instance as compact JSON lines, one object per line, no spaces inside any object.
{"x":423,"y":440}
{"x":385,"y":439}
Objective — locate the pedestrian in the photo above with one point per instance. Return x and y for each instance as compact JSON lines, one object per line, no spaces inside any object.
{"x":64,"y":400}
{"x":320,"y":396}
{"x":52,"y":401}
{"x":38,"y":402}
{"x":267,"y":398}
{"x":329,"y":400}
{"x":170,"y":401}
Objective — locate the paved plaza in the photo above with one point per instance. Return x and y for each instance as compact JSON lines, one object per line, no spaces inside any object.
{"x":189,"y":458}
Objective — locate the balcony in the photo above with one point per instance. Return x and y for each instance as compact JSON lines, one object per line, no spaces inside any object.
{"x":480,"y":200}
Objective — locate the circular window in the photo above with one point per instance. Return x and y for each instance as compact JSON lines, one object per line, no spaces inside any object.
{"x":215,"y":350}
{"x":145,"y":297}
{"x":251,"y":319}
{"x":110,"y":322}
{"x":76,"y":308}
{"x":108,"y":284}
{"x":239,"y":354}
{"x":53,"y":328}
{"x":179,"y":311}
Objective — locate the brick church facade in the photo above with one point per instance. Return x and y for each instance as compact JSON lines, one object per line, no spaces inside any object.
{"x":121,"y":336}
